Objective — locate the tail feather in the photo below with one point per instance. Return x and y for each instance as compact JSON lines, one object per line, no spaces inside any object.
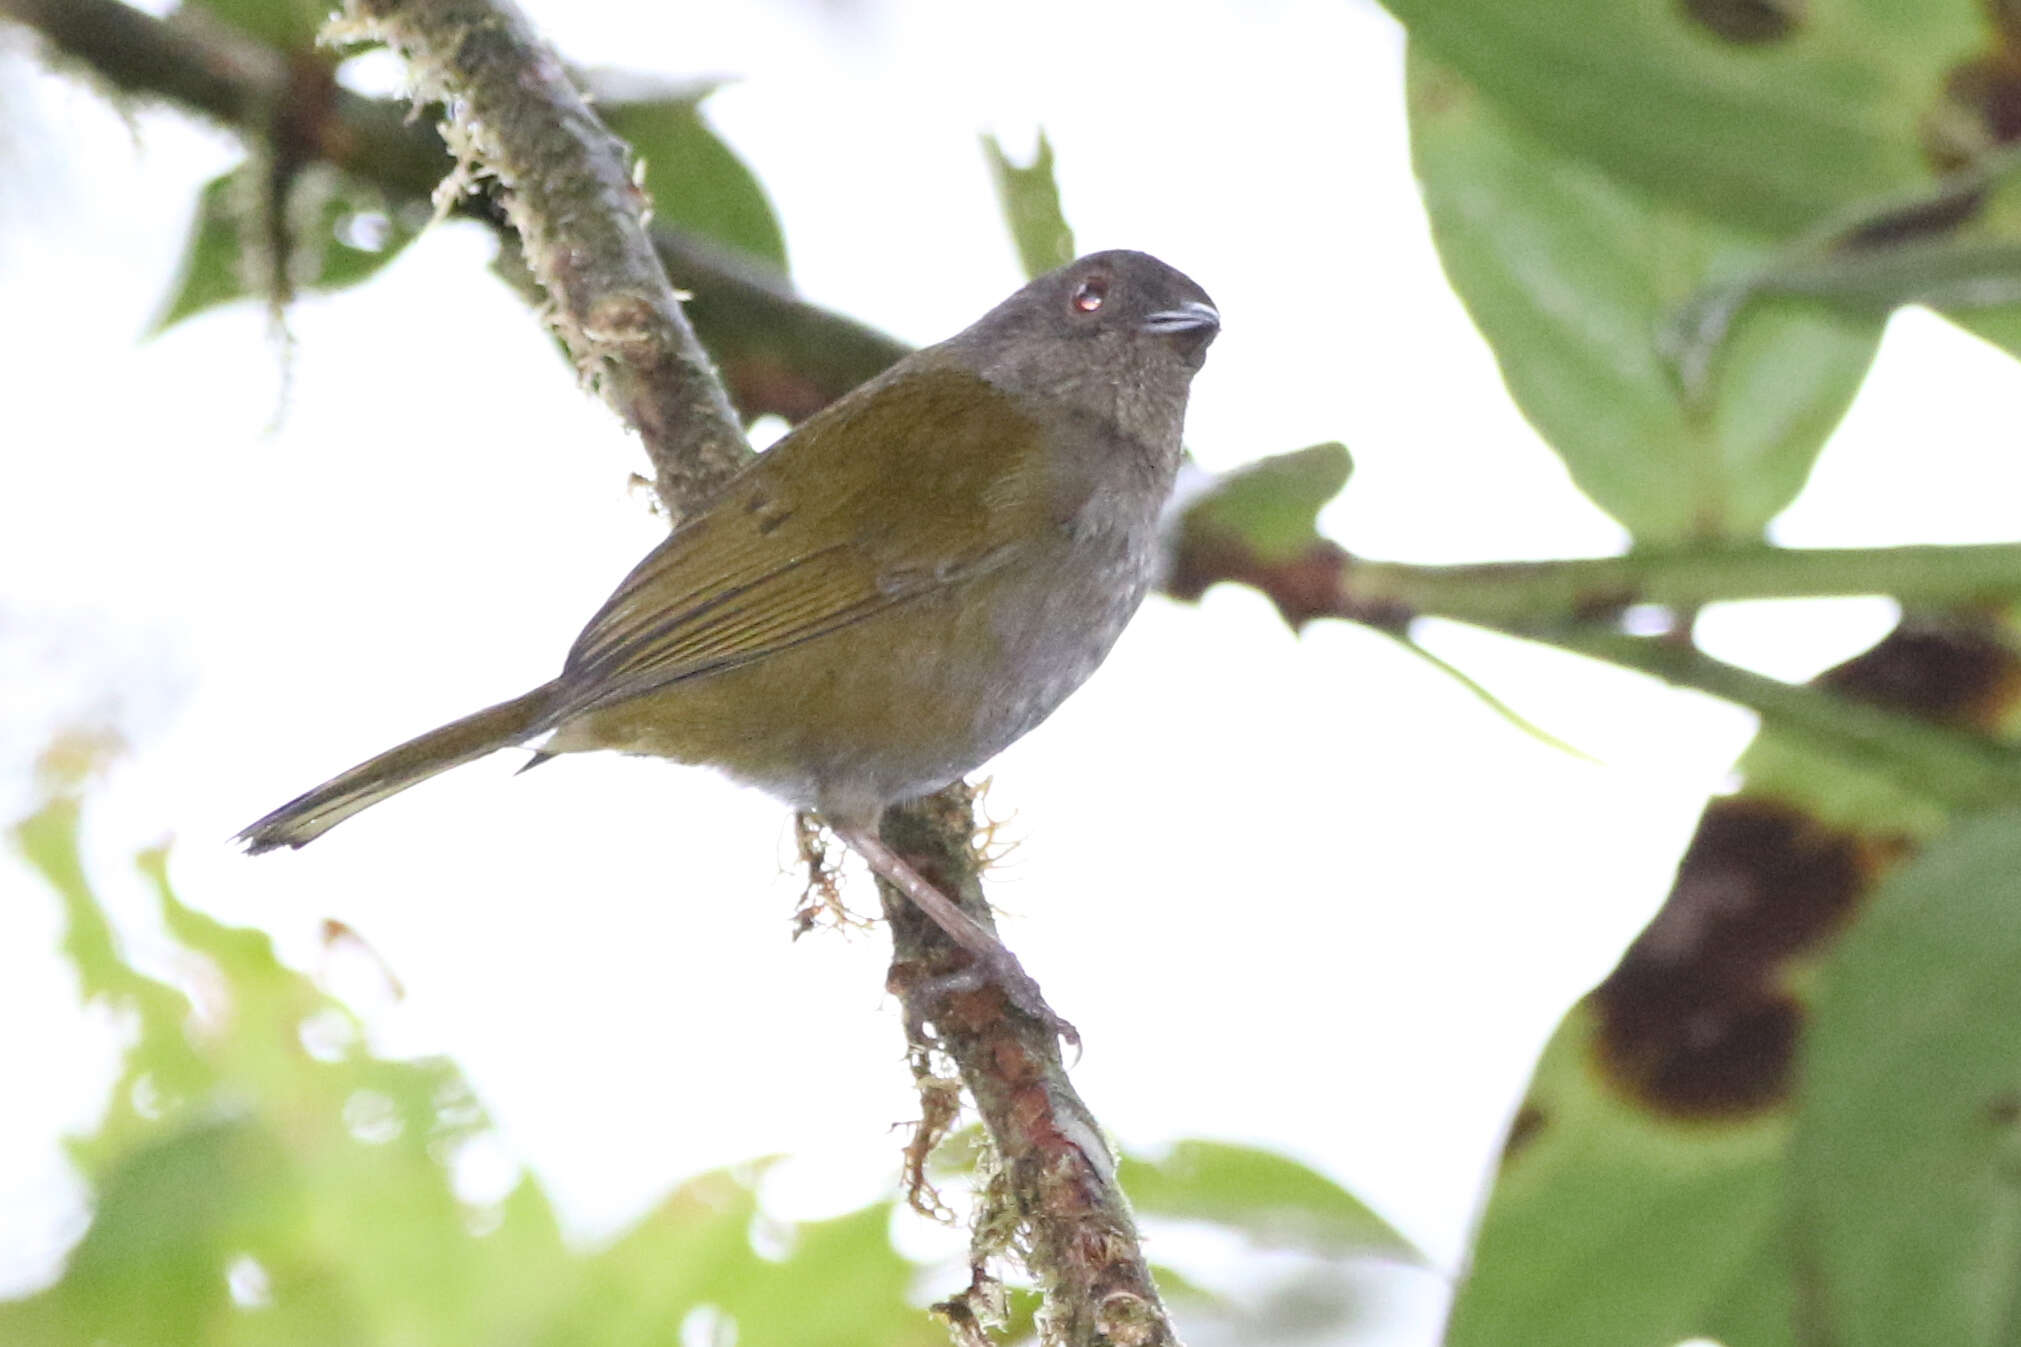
{"x":309,"y":816}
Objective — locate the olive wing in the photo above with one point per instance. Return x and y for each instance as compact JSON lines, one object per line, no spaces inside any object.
{"x":915,"y":483}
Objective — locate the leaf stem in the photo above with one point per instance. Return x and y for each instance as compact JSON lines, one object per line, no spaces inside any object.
{"x":1936,"y":761}
{"x":1542,"y":591}
{"x":1574,"y":605}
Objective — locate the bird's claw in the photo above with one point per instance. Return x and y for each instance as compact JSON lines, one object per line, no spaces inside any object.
{"x":1000,"y":969}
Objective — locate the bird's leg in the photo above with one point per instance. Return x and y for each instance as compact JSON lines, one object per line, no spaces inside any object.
{"x":990,"y":959}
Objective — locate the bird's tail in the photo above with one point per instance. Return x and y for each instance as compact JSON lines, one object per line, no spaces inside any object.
{"x":307,"y":817}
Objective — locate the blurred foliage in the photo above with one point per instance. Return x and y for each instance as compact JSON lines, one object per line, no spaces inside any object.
{"x":334,"y":231}
{"x":1609,"y":1225}
{"x":262,"y":1177}
{"x":1268,"y":508}
{"x":291,"y":25}
{"x":696,"y":181}
{"x":1271,"y":1199}
{"x":339,"y":233}
{"x":1030,"y":200}
{"x":1680,"y":226}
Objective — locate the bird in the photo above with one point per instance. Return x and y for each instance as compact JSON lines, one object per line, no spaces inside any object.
{"x":903,"y":585}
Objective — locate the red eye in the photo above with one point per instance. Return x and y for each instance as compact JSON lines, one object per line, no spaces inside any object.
{"x":1089,"y":294}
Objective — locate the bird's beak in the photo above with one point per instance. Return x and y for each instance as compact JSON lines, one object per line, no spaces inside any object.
{"x":1192,"y":316}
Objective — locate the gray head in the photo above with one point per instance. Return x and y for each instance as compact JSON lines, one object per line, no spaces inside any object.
{"x":1118,"y":334}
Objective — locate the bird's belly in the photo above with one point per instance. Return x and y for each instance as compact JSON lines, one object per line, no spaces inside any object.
{"x":894,"y":706}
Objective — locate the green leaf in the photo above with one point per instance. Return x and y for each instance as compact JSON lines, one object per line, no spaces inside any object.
{"x":1571,"y":273}
{"x":291,"y":25}
{"x":176,"y":1212}
{"x":837,"y":1284}
{"x":231,"y":1145}
{"x":210,"y":273}
{"x":351,"y":233}
{"x":1907,"y":1158}
{"x":1270,"y":507}
{"x":162,"y":1067}
{"x":1030,"y":199}
{"x":262,"y":1180}
{"x":1611,"y":1226}
{"x":1771,"y":129}
{"x":696,"y":181}
{"x":1272,"y":1199}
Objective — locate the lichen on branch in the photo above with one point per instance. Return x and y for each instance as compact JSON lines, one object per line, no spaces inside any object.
{"x":567,"y":187}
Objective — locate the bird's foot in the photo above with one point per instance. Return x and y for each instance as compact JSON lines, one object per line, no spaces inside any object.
{"x":990,"y":962}
{"x":996,"y":967}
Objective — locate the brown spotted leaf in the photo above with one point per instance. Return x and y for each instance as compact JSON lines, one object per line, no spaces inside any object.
{"x":1645,"y":1196}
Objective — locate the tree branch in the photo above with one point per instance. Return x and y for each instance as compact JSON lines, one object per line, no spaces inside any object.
{"x":1079,"y":1236}
{"x":199,"y":64}
{"x":778,"y":353}
{"x":206,"y":68}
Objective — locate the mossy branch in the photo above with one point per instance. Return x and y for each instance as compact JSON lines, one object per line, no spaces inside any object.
{"x":567,"y":186}
{"x":1067,"y":1215}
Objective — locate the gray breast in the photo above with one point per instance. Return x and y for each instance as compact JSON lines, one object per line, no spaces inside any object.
{"x":1074,"y":606}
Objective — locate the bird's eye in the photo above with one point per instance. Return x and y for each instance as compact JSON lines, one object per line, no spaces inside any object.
{"x":1089,"y":294}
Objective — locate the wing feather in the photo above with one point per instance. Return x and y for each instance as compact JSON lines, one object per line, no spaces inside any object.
{"x":802,"y":542}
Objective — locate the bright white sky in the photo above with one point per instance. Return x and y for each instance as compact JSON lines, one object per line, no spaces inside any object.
{"x":1302,"y":892}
